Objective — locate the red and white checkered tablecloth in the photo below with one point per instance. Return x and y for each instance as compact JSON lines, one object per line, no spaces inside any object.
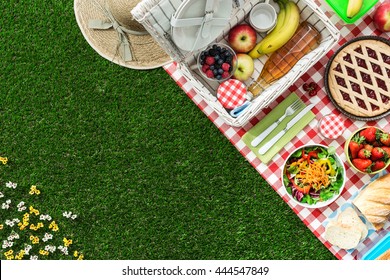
{"x":313,"y":219}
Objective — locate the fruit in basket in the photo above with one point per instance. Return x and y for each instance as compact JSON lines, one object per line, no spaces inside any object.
{"x":354,"y":7}
{"x":242,"y":38}
{"x":286,"y":26}
{"x":382,"y":17}
{"x":245,"y":67}
{"x":216,"y":62}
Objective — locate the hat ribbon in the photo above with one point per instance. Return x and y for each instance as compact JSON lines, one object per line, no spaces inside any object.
{"x":123,"y":44}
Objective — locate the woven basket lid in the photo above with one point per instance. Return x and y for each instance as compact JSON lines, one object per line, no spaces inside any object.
{"x":112,"y":32}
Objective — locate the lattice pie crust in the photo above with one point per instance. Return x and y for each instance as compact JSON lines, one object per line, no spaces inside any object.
{"x":359,"y":78}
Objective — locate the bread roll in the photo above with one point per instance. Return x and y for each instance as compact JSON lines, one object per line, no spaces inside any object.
{"x":374,"y":201}
{"x":384,"y":256}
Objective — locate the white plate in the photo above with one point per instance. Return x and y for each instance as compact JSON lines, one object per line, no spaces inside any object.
{"x":186,"y":38}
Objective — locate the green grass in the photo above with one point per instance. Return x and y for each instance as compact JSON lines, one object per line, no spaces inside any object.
{"x":148,"y":174}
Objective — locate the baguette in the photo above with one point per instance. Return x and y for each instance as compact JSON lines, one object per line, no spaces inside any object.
{"x":374,"y":201}
{"x":384,"y":256}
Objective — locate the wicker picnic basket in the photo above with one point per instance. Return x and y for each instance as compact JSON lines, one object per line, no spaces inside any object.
{"x":155,"y":16}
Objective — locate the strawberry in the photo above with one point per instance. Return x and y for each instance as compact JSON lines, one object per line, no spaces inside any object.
{"x":368,"y":147}
{"x":377,"y":153}
{"x":355,"y":145}
{"x":369,"y":134}
{"x":362,"y":164}
{"x":377,"y":165}
{"x":363,"y":153}
{"x":387,"y":151}
{"x":385,"y":139}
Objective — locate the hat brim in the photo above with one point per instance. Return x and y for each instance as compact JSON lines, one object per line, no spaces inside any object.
{"x":146,"y":51}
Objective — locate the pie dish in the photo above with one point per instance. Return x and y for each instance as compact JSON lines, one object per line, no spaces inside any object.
{"x":357,"y":78}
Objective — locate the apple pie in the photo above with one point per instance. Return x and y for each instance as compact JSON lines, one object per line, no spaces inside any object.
{"x":358,"y":78}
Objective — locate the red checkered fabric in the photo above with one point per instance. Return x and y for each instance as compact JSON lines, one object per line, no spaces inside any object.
{"x":331,"y":126}
{"x":314,"y":219}
{"x":231,"y":93}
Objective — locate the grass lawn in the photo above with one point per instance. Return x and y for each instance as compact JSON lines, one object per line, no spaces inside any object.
{"x":149,"y":176}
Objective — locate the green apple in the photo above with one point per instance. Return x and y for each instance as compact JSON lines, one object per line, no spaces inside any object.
{"x":245,"y":67}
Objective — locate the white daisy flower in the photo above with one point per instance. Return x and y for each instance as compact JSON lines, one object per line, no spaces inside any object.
{"x":7,"y":244}
{"x":45,"y":217}
{"x":9,"y":223}
{"x":47,"y":237}
{"x":63,"y":249}
{"x":11,"y":185}
{"x":27,"y":249}
{"x":34,"y":258}
{"x":21,"y":206}
{"x":50,"y":248}
{"x":1,"y":195}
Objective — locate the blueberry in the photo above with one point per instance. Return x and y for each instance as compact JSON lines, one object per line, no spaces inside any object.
{"x":218,"y":77}
{"x":215,"y":72}
{"x":212,"y":67}
{"x":220,"y":61}
{"x":212,"y":52}
{"x":216,"y":57}
{"x":220,"y":71}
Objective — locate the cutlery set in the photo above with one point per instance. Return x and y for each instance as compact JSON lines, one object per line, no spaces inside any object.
{"x":296,"y":106}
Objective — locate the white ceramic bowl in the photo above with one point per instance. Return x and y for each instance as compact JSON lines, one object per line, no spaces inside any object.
{"x":318,"y":204}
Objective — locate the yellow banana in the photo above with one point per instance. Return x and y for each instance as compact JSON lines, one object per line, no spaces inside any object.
{"x":279,"y":24}
{"x":276,"y":39}
{"x":354,"y":7}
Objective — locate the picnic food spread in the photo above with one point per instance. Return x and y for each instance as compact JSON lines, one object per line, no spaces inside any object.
{"x":356,"y":81}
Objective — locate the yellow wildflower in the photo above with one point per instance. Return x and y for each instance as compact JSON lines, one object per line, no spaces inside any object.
{"x":34,"y":211}
{"x":8,"y":253}
{"x":34,"y":239}
{"x":75,"y":254}
{"x":20,"y":255}
{"x":43,"y":252}
{"x":4,"y":160}
{"x":1,"y":226}
{"x":67,"y":242}
{"x":53,"y":226}
{"x":34,"y":190}
{"x":22,"y":226}
{"x":81,"y":257}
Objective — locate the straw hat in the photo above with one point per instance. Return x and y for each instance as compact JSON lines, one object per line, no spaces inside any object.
{"x":111,"y":30}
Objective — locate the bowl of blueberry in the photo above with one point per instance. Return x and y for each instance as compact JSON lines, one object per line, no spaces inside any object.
{"x":216,"y":62}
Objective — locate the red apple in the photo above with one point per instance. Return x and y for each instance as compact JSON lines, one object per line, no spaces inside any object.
{"x":245,"y":67}
{"x":382,"y":17}
{"x":242,"y":38}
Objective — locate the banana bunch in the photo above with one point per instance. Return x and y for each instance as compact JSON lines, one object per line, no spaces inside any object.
{"x":354,"y":7}
{"x":286,"y":25}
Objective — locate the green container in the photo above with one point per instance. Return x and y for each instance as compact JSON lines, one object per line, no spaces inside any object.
{"x":340,"y":8}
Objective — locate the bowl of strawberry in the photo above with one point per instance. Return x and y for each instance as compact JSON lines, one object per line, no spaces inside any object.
{"x":216,"y":62}
{"x":368,"y":150}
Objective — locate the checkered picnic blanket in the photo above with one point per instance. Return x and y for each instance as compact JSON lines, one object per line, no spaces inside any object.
{"x":313,"y":219}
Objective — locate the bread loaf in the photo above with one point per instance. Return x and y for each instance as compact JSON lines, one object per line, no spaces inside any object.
{"x":374,"y":201}
{"x":384,"y":256}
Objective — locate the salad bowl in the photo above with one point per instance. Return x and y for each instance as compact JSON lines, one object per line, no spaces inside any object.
{"x":313,"y":176}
